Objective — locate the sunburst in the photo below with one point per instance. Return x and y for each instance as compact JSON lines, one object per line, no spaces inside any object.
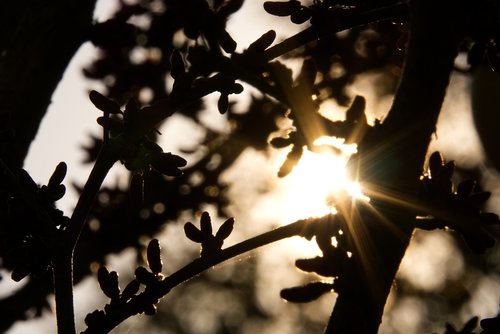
{"x":318,"y":180}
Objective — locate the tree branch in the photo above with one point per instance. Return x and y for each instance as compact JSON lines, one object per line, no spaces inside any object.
{"x":63,"y":291}
{"x":105,"y":160}
{"x":344,"y":22}
{"x":435,"y":33}
{"x":305,"y":227}
{"x":65,"y":242}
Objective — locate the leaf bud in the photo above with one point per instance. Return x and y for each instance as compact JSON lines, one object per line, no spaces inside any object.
{"x":281,"y":8}
{"x":435,"y":163}
{"x":154,"y":256}
{"x":104,"y":104}
{"x":58,"y":175}
{"x":227,"y":43}
{"x":108,"y":282}
{"x":206,"y":223}
{"x":223,"y":103}
{"x":144,"y":276}
{"x":280,"y":142}
{"x":263,"y":42}
{"x":130,"y":290}
{"x":306,"y":293}
{"x":225,"y":229}
{"x":168,"y":164}
{"x":193,"y":233}
{"x":236,"y":89}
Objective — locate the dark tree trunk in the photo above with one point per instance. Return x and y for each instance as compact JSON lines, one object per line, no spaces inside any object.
{"x":37,"y":41}
{"x":436,"y":29}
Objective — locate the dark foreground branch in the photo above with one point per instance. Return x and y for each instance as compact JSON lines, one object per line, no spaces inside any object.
{"x":356,"y":19}
{"x":137,"y":304}
{"x":435,"y":34}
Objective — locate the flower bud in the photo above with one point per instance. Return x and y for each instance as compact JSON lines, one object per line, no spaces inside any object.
{"x":154,"y":256}
{"x":281,"y":8}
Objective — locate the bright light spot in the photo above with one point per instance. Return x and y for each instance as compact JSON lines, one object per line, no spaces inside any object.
{"x":354,"y":189}
{"x":347,"y":149}
{"x":315,"y":183}
{"x":431,"y":261}
{"x":298,"y":247}
{"x":334,"y":242}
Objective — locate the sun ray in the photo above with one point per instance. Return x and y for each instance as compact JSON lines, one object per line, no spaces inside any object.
{"x":364,"y":251}
{"x":322,"y":178}
{"x":321,"y":184}
{"x":316,"y":183}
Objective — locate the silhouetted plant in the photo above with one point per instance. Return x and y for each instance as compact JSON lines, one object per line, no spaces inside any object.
{"x":361,"y":245}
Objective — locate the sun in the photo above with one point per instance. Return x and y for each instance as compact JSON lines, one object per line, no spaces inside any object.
{"x":316,"y":182}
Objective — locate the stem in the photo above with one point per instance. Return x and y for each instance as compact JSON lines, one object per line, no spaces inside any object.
{"x":63,"y":290}
{"x":105,"y":160}
{"x":305,"y":36}
{"x":337,"y":24}
{"x":66,"y":241}
{"x":404,"y":137}
{"x":300,"y":227}
{"x":305,"y":227}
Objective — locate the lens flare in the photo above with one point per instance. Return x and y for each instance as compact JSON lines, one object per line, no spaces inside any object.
{"x":315,"y":184}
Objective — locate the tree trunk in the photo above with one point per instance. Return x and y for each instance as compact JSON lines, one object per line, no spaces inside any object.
{"x":37,"y":41}
{"x":394,"y":164}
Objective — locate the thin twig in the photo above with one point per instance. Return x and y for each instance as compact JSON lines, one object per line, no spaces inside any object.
{"x":348,"y":21}
{"x":105,"y":160}
{"x":305,"y":227}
